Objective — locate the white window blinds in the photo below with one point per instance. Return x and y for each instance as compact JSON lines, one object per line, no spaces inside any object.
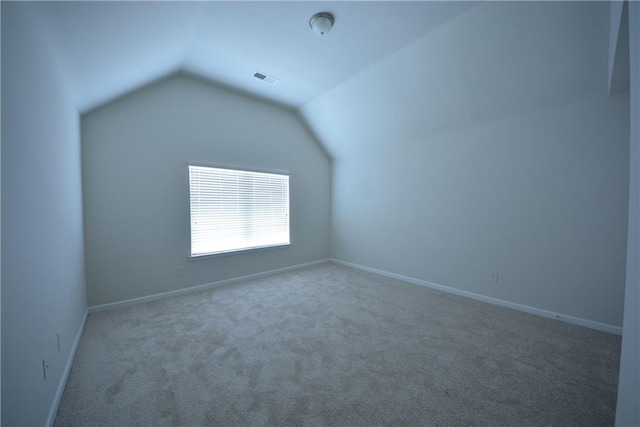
{"x":233,"y":210}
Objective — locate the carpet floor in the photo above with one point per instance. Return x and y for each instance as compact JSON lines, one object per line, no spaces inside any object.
{"x":330,"y":345}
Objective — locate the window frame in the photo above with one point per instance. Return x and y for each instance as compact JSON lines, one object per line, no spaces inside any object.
{"x":243,"y":250}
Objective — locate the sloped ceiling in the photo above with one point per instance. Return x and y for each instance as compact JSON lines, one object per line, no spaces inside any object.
{"x":619,"y":48}
{"x":388,"y":71}
{"x":497,"y":60}
{"x":106,"y":49}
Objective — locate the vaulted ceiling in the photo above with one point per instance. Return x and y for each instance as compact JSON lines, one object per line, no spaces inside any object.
{"x":106,"y":49}
{"x":387,"y":71}
{"x":496,"y":60}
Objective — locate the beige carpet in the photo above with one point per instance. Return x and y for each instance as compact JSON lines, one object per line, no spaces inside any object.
{"x":333,"y":345}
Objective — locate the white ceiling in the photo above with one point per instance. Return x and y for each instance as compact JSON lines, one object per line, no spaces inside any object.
{"x":497,"y":60}
{"x":106,"y":49}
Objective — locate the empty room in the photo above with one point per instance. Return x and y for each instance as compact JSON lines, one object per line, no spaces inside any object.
{"x":320,"y":213}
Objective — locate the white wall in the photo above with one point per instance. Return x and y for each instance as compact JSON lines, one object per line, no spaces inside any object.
{"x":43,"y":288}
{"x":488,"y":145}
{"x":136,"y":194}
{"x":540,"y":198}
{"x":628,"y":410}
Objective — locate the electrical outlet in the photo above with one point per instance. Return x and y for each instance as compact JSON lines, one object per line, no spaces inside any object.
{"x":179,"y":270}
{"x":493,"y":276}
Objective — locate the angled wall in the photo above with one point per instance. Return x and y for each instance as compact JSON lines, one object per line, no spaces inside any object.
{"x":628,"y":410}
{"x":43,"y":287}
{"x":489,"y":145}
{"x":136,"y":193}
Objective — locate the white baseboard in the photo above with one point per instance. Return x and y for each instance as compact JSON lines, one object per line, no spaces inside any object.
{"x":65,"y":375}
{"x":198,"y":288}
{"x":527,"y":309}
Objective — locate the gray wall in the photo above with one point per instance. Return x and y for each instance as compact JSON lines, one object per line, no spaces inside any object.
{"x":483,"y":148}
{"x":628,"y":410}
{"x":0,"y":250}
{"x":43,"y":288}
{"x":540,"y":198}
{"x":136,"y":194}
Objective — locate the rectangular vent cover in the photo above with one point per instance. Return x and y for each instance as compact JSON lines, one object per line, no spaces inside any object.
{"x":265,"y":78}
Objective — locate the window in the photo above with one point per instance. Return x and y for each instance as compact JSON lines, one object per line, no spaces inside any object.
{"x":234,"y":210}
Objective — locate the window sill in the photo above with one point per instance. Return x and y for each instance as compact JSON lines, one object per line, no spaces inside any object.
{"x":236,"y":252}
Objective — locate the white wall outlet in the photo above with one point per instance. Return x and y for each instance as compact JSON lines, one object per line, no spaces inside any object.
{"x":493,"y":276}
{"x":179,"y":270}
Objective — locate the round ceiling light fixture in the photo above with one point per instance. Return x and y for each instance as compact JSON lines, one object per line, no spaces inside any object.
{"x":321,"y":23}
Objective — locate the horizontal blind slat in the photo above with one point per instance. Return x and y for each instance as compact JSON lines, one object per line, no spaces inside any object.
{"x":237,"y":210}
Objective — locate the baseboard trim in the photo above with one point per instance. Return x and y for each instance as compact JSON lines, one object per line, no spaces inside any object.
{"x":198,"y":288}
{"x":491,"y":300}
{"x":67,"y":370}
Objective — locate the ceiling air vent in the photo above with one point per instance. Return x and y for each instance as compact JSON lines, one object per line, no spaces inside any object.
{"x":265,"y":78}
